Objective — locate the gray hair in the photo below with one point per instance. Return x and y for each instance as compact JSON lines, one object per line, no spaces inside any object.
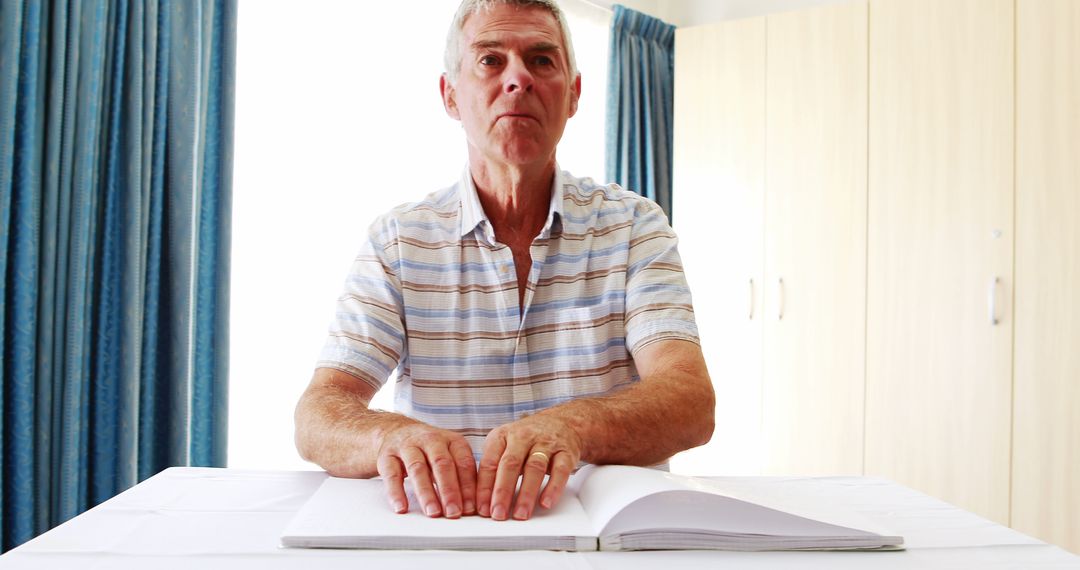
{"x":452,"y":56}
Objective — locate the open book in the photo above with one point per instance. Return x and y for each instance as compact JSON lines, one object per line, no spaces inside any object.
{"x":603,"y":508}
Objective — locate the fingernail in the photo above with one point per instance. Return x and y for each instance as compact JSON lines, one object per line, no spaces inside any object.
{"x":546,"y":502}
{"x":498,"y":513}
{"x":432,"y":509}
{"x":399,"y":507}
{"x":452,"y":511}
{"x":470,"y":507}
{"x":521,"y":514}
{"x":485,"y":510}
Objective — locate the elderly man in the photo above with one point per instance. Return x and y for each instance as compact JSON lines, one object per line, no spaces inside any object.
{"x":534,"y":319}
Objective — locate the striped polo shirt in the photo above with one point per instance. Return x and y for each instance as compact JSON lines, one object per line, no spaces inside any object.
{"x":432,"y":299}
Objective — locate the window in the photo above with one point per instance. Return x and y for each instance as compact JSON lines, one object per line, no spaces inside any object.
{"x":338,"y":119}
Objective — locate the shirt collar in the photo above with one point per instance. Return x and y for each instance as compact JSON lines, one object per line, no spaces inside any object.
{"x":472,"y":212}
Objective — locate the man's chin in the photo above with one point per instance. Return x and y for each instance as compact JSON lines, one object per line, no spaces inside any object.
{"x":523,"y":154}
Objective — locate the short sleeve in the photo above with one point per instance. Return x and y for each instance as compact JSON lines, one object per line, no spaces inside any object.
{"x":366,"y":335}
{"x":658,"y":303}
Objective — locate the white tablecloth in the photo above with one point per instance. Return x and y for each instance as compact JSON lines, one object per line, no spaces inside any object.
{"x":231,"y":519}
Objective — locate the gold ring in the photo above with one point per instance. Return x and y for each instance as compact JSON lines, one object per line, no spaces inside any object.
{"x":541,"y":454}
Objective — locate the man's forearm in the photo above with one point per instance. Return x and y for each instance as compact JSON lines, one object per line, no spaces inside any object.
{"x":646,"y":423}
{"x":336,"y":430}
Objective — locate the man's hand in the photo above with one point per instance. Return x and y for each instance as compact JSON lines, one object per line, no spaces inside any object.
{"x":529,"y":448}
{"x":438,"y":462}
{"x":670,"y":409}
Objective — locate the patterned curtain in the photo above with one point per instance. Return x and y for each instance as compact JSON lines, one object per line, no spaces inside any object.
{"x":116,"y":120}
{"x":640,"y":105}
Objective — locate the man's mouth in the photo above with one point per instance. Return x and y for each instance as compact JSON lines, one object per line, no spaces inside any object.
{"x":517,"y":116}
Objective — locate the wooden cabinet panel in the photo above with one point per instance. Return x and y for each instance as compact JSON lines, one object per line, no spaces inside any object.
{"x":1046,"y":449}
{"x":717,"y":211}
{"x":815,"y":221}
{"x":940,"y":232}
{"x":866,"y":156}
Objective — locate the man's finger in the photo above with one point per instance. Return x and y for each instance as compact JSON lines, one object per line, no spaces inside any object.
{"x":393,"y":476}
{"x":416,"y":465}
{"x":562,"y":465}
{"x":494,"y":445}
{"x":444,"y":468}
{"x":510,"y":464}
{"x":466,"y":474}
{"x":536,"y":465}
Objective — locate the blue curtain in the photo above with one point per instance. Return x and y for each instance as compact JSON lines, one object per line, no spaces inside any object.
{"x":116,"y":120}
{"x":640,"y":105}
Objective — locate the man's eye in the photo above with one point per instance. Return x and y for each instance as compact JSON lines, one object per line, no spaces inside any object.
{"x":543,"y":60}
{"x":489,"y":60}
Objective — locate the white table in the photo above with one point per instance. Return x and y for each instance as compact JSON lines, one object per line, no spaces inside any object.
{"x":231,"y":519}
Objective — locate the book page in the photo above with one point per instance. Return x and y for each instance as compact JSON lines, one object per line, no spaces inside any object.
{"x":702,"y":512}
{"x":359,"y":508}
{"x":790,"y":500}
{"x":606,"y":490}
{"x":621,"y":499}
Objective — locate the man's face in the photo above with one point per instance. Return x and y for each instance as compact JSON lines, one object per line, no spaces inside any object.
{"x":513,"y":93}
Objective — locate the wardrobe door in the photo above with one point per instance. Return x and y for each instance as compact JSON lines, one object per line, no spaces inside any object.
{"x":1046,"y":429}
{"x":939,"y":324}
{"x":718,"y":180}
{"x":815,"y":247}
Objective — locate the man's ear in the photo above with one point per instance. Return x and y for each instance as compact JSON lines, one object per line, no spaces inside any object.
{"x":575,"y":94}
{"x":449,"y":103}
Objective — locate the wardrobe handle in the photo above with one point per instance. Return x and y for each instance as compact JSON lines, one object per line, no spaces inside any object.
{"x":751,"y":299}
{"x":780,"y":299}
{"x":993,"y":301}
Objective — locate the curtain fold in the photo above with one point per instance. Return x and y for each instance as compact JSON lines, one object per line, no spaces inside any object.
{"x":116,"y":120}
{"x":640,"y":104}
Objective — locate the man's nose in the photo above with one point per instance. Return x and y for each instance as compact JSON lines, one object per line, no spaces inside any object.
{"x":517,"y":77}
